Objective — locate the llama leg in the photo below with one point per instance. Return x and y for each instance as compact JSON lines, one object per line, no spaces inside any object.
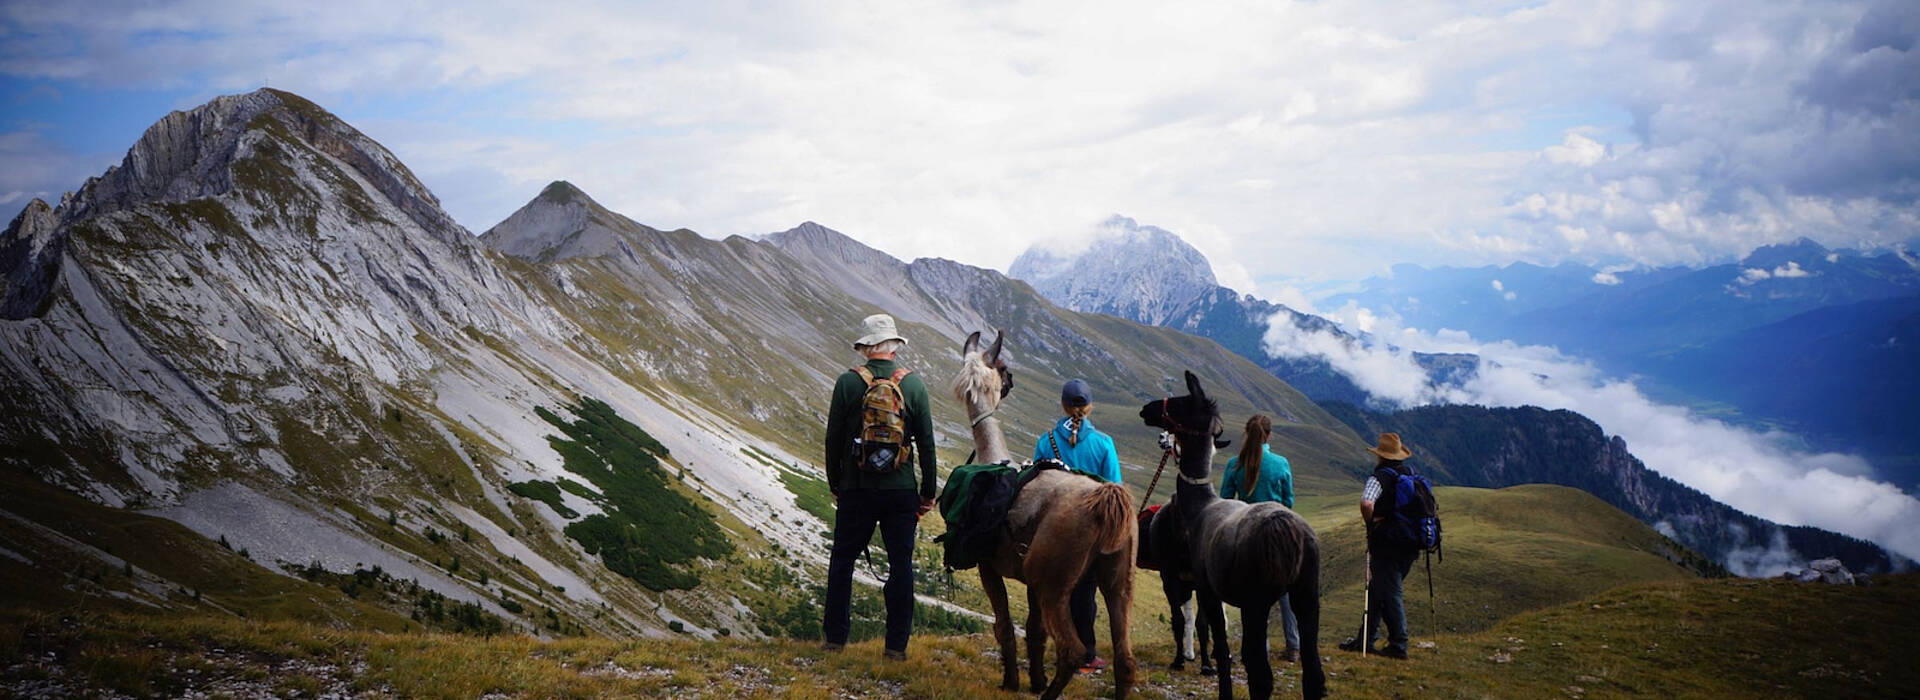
{"x":996,"y":588}
{"x":1203,"y":638}
{"x":1305,"y":596}
{"x":1117,"y":583}
{"x":1068,"y":652}
{"x":1036,"y":642}
{"x":1177,"y":597}
{"x":1253,"y":649}
{"x":1216,"y":626}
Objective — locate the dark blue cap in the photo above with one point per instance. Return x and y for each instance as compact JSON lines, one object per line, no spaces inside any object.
{"x":1076,"y":393}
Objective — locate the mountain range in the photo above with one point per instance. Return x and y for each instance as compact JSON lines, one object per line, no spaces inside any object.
{"x":261,"y":326}
{"x":1795,"y":336}
{"x":1465,"y":445}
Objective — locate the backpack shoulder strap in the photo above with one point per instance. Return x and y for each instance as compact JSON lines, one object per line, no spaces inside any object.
{"x":899,"y":374}
{"x":865,"y":374}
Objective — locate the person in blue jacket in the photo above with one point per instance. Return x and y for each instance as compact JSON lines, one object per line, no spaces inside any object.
{"x":1258,"y":475}
{"x":1075,"y":442}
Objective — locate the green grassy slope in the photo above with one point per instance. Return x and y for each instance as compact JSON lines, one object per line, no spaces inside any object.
{"x":1683,"y":639}
{"x":1506,"y":551}
{"x":84,"y":556}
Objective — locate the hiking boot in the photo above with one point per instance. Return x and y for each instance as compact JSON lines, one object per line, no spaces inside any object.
{"x":1094,"y":665}
{"x":1290,"y":656}
{"x":1394,"y":652}
{"x":1353,"y":644}
{"x":832,"y":646}
{"x":901,"y":654}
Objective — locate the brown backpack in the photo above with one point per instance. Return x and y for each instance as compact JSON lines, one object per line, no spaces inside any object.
{"x":882,"y":445}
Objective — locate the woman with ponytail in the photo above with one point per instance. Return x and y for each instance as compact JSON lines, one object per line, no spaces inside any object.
{"x":1257,"y":475}
{"x":1074,"y":442}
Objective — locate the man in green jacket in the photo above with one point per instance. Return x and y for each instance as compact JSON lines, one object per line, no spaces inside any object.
{"x":891,"y":500}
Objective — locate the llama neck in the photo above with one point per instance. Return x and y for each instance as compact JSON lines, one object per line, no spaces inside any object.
{"x":1196,"y":457}
{"x":989,"y":442}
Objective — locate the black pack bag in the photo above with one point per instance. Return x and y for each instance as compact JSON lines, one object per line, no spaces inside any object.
{"x":975,"y":503}
{"x":973,"y":530}
{"x":1413,"y":518}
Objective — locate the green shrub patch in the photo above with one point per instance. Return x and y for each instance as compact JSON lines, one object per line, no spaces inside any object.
{"x":650,"y":531}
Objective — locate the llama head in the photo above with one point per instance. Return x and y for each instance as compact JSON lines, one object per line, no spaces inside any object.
{"x":1190,"y":418}
{"x":983,"y":374}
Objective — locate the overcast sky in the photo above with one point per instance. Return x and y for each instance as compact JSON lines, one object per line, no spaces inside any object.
{"x":1285,"y":140}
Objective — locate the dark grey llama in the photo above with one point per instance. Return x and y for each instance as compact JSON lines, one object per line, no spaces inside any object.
{"x":1244,"y":555}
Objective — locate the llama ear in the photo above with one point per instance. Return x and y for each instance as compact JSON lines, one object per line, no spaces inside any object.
{"x":993,"y":355}
{"x":1193,"y":386}
{"x":972,"y":344}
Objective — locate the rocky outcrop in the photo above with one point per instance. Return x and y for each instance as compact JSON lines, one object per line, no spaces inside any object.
{"x":30,"y":251}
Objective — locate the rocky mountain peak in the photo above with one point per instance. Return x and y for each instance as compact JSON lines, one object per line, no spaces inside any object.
{"x":194,"y":154}
{"x":561,"y":192}
{"x":1145,"y":273}
{"x":563,"y":222}
{"x":1804,"y":251}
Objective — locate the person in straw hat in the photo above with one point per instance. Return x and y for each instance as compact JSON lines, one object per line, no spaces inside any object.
{"x":1388,"y":562}
{"x":869,"y":492}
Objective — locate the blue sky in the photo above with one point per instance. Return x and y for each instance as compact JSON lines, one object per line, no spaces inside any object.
{"x":1287,"y":141}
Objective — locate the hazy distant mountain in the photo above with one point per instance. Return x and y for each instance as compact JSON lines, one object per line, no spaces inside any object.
{"x":1621,"y":318}
{"x":1843,"y":376}
{"x":1684,"y":331}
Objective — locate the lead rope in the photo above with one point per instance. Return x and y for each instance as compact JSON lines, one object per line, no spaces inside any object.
{"x":1156,"y":477}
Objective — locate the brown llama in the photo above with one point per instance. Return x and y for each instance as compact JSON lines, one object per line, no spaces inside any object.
{"x":1061,"y":525}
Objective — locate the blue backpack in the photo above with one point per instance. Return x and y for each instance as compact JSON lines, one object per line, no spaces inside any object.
{"x":1414,"y":519}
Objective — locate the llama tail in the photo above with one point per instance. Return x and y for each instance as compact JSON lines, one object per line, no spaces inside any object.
{"x":1111,"y":507}
{"x":1288,"y":541}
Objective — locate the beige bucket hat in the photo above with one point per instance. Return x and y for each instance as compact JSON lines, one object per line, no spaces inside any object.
{"x":877,"y":329}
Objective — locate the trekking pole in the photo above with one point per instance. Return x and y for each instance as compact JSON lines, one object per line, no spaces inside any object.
{"x":1366,"y":600}
{"x":1433,"y":619}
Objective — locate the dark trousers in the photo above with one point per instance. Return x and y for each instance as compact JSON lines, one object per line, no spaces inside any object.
{"x":1080,"y":606}
{"x":858,"y":514}
{"x":1384,"y":600}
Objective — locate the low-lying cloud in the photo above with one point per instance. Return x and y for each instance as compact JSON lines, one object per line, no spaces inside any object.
{"x":1761,"y":473}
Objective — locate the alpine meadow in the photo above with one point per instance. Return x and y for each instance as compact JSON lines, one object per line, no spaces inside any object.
{"x":1572,"y":385}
